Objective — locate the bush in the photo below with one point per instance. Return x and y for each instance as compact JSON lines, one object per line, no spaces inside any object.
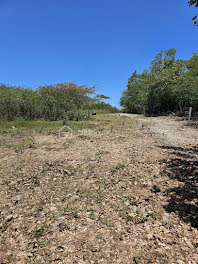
{"x":75,"y":116}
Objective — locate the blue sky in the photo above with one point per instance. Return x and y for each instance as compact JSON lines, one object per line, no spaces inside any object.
{"x":93,"y":42}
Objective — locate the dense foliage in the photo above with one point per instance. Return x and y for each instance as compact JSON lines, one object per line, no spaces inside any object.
{"x":50,"y":102}
{"x":169,"y":85}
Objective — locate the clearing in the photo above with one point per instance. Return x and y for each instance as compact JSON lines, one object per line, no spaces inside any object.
{"x":113,"y":190}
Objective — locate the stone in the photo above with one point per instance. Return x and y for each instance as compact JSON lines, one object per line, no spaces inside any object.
{"x":165,"y":217}
{"x":9,"y":218}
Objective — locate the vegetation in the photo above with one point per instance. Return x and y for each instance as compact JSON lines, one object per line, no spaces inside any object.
{"x":50,"y":102}
{"x":169,"y":85}
{"x":99,"y":188}
{"x":195,"y":4}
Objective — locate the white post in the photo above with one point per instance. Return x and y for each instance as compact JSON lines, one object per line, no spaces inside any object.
{"x":190,"y":112}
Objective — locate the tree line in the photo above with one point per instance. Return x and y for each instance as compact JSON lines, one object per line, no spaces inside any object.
{"x":51,"y":102}
{"x":169,"y":85}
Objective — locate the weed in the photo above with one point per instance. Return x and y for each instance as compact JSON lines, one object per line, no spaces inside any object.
{"x":92,"y":214}
{"x":38,"y":209}
{"x":73,"y":214}
{"x":103,"y":183}
{"x":153,"y":215}
{"x":30,"y":143}
{"x":143,"y":219}
{"x":136,"y":258}
{"x":83,"y":136}
{"x":39,"y":231}
{"x":161,"y":161}
{"x":104,"y":220}
{"x":119,"y":166}
{"x":67,"y":143}
{"x":129,"y":218}
{"x":38,"y":126}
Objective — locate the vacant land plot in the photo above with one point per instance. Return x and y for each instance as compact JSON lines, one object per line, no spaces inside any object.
{"x":101,"y":191}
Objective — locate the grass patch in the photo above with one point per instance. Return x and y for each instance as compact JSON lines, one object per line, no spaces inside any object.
{"x":38,"y":126}
{"x":38,"y":231}
{"x":119,"y":166}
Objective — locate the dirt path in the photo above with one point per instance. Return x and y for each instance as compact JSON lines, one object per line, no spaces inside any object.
{"x":108,"y":193}
{"x":169,"y":130}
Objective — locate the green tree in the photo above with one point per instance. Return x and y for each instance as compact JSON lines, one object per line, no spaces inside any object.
{"x":50,"y":102}
{"x":195,"y":4}
{"x":168,"y":85}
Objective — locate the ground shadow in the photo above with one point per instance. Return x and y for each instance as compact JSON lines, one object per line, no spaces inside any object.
{"x":192,"y":124}
{"x":183,"y":199}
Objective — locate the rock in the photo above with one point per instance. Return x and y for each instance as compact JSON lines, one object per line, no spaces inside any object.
{"x":165,"y":217}
{"x":9,"y":218}
{"x":180,"y":262}
{"x":135,"y":208}
{"x":9,"y":253}
{"x":53,"y":208}
{"x":149,"y":236}
{"x":16,"y":199}
{"x":67,"y":172}
{"x":169,"y":240}
{"x":127,"y":203}
{"x":60,"y":248}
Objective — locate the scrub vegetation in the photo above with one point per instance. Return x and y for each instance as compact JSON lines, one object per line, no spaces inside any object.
{"x":170,"y":85}
{"x":103,"y":190}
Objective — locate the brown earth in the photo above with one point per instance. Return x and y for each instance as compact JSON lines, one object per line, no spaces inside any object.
{"x":115,"y":191}
{"x":173,"y":131}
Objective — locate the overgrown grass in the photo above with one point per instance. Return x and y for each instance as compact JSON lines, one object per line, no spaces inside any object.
{"x":45,"y":126}
{"x":21,"y":128}
{"x":27,"y":124}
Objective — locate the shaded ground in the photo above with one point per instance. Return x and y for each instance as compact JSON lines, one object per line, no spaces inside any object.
{"x":182,"y":166}
{"x":106,"y":193}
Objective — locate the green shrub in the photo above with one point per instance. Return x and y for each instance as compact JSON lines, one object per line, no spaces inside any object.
{"x":76,"y":116}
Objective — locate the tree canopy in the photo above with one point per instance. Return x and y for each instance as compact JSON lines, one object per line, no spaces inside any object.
{"x":169,"y":85}
{"x":50,"y":102}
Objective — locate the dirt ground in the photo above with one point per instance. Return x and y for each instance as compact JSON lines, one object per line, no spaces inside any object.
{"x":118,"y":190}
{"x":173,"y":131}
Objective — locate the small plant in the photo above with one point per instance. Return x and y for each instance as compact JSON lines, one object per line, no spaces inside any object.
{"x":38,"y":231}
{"x":103,"y":183}
{"x":73,"y":214}
{"x":104,"y":220}
{"x":120,"y":166}
{"x":67,"y":143}
{"x":153,"y":215}
{"x":143,"y":219}
{"x":161,"y":161}
{"x":75,"y":116}
{"x":92,"y":214}
{"x":82,"y":136}
{"x":129,"y":218}
{"x":136,"y":258}
{"x":30,"y":143}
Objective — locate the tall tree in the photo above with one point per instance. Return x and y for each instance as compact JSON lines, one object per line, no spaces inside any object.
{"x":168,"y":85}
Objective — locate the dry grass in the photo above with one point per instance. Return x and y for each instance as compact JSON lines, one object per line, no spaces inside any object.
{"x":89,"y":196}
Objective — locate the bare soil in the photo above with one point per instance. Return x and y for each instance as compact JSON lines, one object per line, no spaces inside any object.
{"x":170,"y":130}
{"x":119,"y":190}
